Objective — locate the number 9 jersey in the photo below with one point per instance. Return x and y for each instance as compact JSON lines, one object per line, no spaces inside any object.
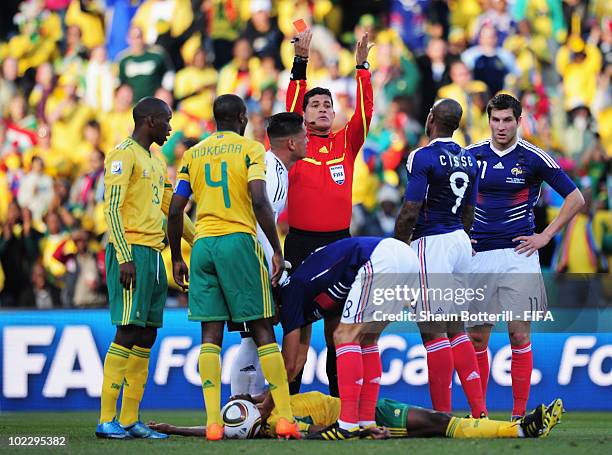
{"x":217,"y":171}
{"x":443,"y":176}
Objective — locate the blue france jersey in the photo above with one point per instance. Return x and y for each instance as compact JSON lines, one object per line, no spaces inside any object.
{"x":508,"y":189}
{"x":320,"y":285}
{"x":443,"y":176}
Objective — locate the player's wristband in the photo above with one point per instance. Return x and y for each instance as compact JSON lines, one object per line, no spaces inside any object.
{"x":298,"y":71}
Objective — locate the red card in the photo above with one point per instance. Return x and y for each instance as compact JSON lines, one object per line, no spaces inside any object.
{"x":300,"y":25}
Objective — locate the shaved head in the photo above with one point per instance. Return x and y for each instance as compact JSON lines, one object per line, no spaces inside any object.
{"x":152,"y":121}
{"x":149,"y":107}
{"x":230,"y":113}
{"x":444,"y":116}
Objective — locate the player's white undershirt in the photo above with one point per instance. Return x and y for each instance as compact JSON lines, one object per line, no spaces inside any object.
{"x":246,"y":375}
{"x":277,"y":184}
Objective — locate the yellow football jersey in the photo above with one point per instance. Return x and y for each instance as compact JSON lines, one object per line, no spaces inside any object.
{"x":217,"y":172}
{"x":135,"y":186}
{"x":310,"y":408}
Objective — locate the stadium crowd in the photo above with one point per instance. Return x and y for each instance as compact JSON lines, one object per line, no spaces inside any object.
{"x":71,"y":71}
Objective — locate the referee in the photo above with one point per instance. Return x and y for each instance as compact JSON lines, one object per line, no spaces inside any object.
{"x":320,"y":185}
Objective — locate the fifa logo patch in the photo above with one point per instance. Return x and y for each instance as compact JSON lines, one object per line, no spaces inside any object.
{"x":516,"y":171}
{"x":337,"y":173}
{"x":116,"y":167}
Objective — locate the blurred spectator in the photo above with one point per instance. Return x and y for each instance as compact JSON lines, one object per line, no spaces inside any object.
{"x":18,"y":252}
{"x":45,"y":86}
{"x":578,"y":63}
{"x":434,"y":68}
{"x":9,"y":84}
{"x":20,"y":125}
{"x":36,"y":190}
{"x":89,"y":19}
{"x":462,"y":89}
{"x":119,"y":123}
{"x":263,"y":32}
{"x":88,"y":188}
{"x":382,"y":222}
{"x":144,"y":68}
{"x":99,"y":81}
{"x":495,"y":15}
{"x":544,"y":17}
{"x":41,"y":294}
{"x":489,"y":62}
{"x":223,"y":21}
{"x":577,"y":135}
{"x":194,"y":88}
{"x":67,"y":115}
{"x":121,"y":15}
{"x":241,"y":76}
{"x":91,"y":144}
{"x":83,"y":287}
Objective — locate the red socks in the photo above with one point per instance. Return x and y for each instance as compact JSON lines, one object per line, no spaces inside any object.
{"x":520,"y":371}
{"x":464,"y":359}
{"x":440,"y":373}
{"x":350,"y":379}
{"x":372,"y":371}
{"x":482,"y":358}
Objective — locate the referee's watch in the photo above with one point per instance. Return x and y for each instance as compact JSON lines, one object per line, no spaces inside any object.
{"x":363,"y":66}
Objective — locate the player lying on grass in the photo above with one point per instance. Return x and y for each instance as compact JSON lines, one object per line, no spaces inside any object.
{"x":315,"y":411}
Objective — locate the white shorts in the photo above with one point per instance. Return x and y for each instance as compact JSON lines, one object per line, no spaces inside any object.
{"x":509,"y":282}
{"x":392,"y":263}
{"x":444,"y":261}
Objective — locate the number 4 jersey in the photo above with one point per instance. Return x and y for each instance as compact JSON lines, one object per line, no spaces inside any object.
{"x":217,"y":171}
{"x":443,"y":176}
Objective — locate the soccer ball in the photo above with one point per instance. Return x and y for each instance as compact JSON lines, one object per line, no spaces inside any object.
{"x":242,"y":419}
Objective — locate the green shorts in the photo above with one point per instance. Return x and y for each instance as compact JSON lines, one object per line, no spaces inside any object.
{"x":229,"y":280}
{"x":394,"y":416}
{"x":144,"y":304}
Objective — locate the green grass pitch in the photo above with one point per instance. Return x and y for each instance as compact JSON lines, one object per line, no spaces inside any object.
{"x":579,"y":433}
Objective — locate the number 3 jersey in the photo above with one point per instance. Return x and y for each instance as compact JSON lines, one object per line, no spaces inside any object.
{"x":217,"y":171}
{"x":508,"y":189}
{"x":443,"y":176}
{"x":136,"y":194}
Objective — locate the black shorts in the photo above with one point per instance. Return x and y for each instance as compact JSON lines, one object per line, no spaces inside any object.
{"x":299,"y":244}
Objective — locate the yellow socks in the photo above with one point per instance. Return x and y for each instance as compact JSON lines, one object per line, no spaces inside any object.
{"x":209,"y":364}
{"x":481,"y":428}
{"x":133,"y":388}
{"x":273,"y":368}
{"x":115,"y":365}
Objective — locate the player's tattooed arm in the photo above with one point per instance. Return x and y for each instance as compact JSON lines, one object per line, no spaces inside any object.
{"x":468,"y":218}
{"x":407,"y":218}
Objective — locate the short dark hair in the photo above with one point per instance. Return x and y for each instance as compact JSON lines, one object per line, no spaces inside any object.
{"x":316,"y":91}
{"x":505,"y":101}
{"x":227,"y":108}
{"x":285,"y":124}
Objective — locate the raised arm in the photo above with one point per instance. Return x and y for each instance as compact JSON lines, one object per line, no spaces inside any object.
{"x":297,"y":83}
{"x":359,"y":124}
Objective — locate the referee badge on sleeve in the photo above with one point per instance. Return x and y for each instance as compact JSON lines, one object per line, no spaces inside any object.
{"x":337,"y":173}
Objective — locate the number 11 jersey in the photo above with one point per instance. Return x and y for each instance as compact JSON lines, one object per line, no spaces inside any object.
{"x":443,"y":176}
{"x":217,"y":171}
